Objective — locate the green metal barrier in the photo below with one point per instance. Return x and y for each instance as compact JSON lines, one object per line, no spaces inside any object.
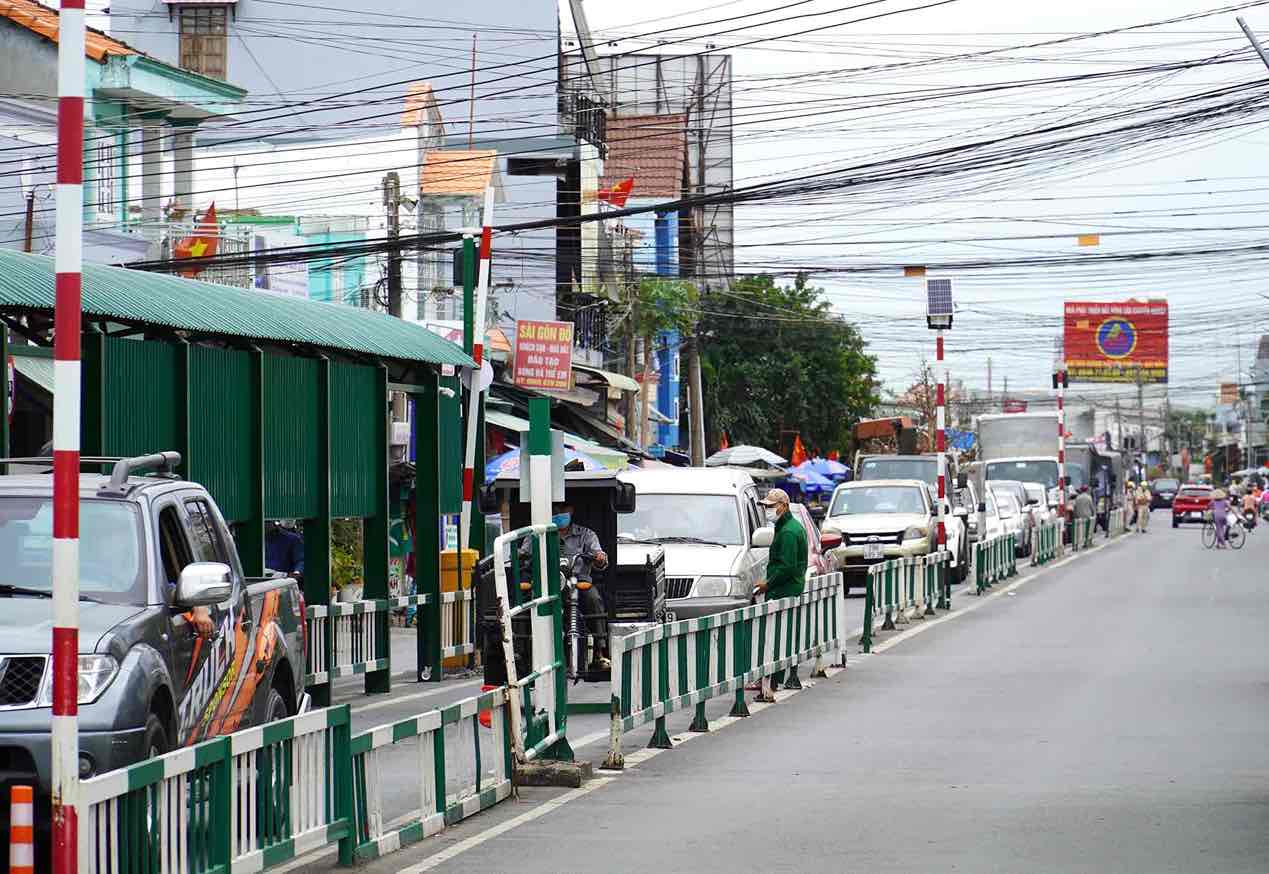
{"x":900,"y":587}
{"x":463,"y":765}
{"x":684,"y":664}
{"x":1046,"y":545}
{"x":1082,"y":533}
{"x":994,"y":560}
{"x":244,"y":802}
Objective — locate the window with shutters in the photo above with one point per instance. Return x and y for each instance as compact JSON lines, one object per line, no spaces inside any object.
{"x":204,"y":40}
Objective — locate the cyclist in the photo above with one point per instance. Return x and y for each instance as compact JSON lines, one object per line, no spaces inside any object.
{"x":1219,"y":509}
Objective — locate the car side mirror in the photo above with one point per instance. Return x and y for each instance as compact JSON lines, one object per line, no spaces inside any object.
{"x":489,"y":503}
{"x":623,"y":499}
{"x":763,"y":537}
{"x":830,"y":538}
{"x":203,"y":584}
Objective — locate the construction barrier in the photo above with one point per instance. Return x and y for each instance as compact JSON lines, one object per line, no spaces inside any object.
{"x":683,"y":664}
{"x":347,"y":638}
{"x":539,"y":700}
{"x":244,"y":802}
{"x":994,"y":560}
{"x":1082,"y":533}
{"x":1045,"y":543}
{"x":900,"y":588}
{"x":462,"y":766}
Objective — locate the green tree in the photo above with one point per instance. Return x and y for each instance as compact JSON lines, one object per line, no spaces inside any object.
{"x":662,"y":305}
{"x":776,"y":358}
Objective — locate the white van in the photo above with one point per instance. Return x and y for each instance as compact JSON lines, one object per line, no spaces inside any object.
{"x":704,"y":519}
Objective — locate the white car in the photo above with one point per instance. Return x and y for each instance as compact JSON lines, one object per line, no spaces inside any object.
{"x":883,"y":519}
{"x":1010,"y":518}
{"x":1038,"y":503}
{"x":705,"y":520}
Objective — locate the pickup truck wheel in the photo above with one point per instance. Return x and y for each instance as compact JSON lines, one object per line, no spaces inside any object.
{"x":156,"y":740}
{"x":275,"y":707}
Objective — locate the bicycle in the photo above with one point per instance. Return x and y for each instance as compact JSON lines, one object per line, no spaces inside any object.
{"x":1235,"y":532}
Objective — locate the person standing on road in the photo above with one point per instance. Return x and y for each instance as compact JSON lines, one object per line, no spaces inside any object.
{"x":1142,"y":499}
{"x":787,"y":558}
{"x":1083,"y":509}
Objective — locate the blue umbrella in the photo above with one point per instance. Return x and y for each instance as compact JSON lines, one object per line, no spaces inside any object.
{"x":810,"y":482}
{"x":825,"y":467}
{"x":507,"y":465}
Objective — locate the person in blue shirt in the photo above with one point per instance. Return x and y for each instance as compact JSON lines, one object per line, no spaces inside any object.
{"x":284,"y":550}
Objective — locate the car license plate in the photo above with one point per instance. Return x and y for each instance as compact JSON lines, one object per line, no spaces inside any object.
{"x":873,"y":551}
{"x":1192,"y":514}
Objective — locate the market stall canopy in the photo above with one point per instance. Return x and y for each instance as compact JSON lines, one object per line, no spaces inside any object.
{"x":507,"y":465}
{"x":744,"y":456}
{"x":809,"y":482}
{"x":617,"y":381}
{"x":613,"y":459}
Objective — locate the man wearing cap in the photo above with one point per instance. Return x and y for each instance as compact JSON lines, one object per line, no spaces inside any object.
{"x":786,"y":562}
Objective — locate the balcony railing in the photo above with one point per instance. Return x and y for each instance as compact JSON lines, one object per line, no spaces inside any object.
{"x":585,"y":118}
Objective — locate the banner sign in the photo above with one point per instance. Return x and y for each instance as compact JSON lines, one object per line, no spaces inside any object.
{"x":1014,"y":406}
{"x":1116,"y":342}
{"x":544,"y":355}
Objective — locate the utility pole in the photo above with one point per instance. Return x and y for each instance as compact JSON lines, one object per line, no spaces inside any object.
{"x":30,"y":220}
{"x":392,"y":204}
{"x":1168,"y":470}
{"x":695,"y":400}
{"x":989,"y":383}
{"x":1119,"y":424}
{"x":1143,"y":460}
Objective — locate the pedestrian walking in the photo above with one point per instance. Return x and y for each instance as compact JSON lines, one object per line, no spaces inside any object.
{"x":787,"y":557}
{"x":1141,"y":497}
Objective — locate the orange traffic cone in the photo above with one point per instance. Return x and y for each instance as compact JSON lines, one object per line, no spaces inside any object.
{"x":21,"y":830}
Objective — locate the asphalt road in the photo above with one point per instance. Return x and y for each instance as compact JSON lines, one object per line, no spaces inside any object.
{"x":1109,"y":715}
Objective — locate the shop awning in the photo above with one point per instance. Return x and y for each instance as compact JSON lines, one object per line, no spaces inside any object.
{"x":614,"y":459}
{"x":619,"y":381}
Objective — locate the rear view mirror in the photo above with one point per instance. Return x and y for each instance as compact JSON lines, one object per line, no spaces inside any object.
{"x":489,"y":503}
{"x":203,"y":584}
{"x":623,"y":498}
{"x":763,"y":537}
{"x":830,"y":538}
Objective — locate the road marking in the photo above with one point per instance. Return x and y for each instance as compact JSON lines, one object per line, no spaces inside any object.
{"x":476,"y":840}
{"x":400,"y":699}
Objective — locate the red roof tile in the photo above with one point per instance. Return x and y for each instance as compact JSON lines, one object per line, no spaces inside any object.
{"x":42,"y":20}
{"x":652,"y":149}
{"x":457,"y":173}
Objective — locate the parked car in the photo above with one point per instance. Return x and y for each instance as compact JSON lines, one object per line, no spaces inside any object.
{"x":1190,"y":504}
{"x":879,"y":520}
{"x":705,"y":519}
{"x":1012,"y":519}
{"x":817,"y":562}
{"x":1163,"y":492}
{"x":152,"y":549}
{"x":1038,"y":503}
{"x":1026,"y":522}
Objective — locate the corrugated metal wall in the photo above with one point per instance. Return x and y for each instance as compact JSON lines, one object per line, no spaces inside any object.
{"x":221,"y":429}
{"x":293,"y":431}
{"x":355,"y":392}
{"x":141,"y":398}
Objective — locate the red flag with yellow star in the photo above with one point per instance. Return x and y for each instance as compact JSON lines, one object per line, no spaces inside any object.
{"x":799,"y":452}
{"x":202,"y":244}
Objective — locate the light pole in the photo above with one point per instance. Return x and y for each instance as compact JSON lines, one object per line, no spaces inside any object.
{"x":938,"y":317}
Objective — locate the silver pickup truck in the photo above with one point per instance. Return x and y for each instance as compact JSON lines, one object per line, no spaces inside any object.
{"x":153,"y":550}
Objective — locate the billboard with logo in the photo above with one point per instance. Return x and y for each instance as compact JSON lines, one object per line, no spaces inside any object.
{"x":1116,"y":342}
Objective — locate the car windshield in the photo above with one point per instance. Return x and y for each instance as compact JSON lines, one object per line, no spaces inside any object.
{"x":110,"y":565}
{"x":877,"y":499}
{"x":683,"y":518}
{"x":1166,"y":485}
{"x":1040,"y":471}
{"x":925,"y":469}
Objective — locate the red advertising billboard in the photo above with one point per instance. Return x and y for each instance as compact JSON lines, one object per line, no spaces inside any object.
{"x":544,"y":355}
{"x":1116,"y":342}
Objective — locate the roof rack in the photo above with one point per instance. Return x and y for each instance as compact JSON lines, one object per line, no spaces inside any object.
{"x":159,"y":462}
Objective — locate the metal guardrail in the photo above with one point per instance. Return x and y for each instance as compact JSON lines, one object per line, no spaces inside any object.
{"x":244,"y":802}
{"x":898,"y":586}
{"x":1046,"y":543}
{"x":463,"y":766}
{"x":683,"y":664}
{"x":539,"y":701}
{"x":995,"y":559}
{"x":343,"y":640}
{"x":1082,"y":533}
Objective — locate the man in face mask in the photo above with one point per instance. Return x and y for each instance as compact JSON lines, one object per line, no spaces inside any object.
{"x":787,"y":557}
{"x":578,"y":540}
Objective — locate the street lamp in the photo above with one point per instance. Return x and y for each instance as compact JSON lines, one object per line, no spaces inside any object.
{"x":938,"y":317}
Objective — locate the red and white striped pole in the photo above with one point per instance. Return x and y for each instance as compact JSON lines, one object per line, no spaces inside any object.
{"x":940,"y":446}
{"x":1059,"y":383}
{"x":478,"y":353}
{"x":66,"y":387}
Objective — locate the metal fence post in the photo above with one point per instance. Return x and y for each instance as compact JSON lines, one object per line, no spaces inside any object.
{"x":865,"y":639}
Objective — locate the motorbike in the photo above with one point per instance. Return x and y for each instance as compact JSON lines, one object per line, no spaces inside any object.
{"x":576,"y":633}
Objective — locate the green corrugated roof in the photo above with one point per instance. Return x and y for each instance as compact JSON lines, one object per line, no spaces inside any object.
{"x":139,"y":297}
{"x":38,"y":370}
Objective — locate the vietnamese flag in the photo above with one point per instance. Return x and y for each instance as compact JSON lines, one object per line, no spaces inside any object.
{"x":799,"y":452}
{"x":617,"y":194}
{"x":833,"y":455}
{"x":202,"y":244}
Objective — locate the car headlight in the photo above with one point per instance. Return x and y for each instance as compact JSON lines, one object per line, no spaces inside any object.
{"x":96,"y":672}
{"x":715,"y":587}
{"x":916,"y":532}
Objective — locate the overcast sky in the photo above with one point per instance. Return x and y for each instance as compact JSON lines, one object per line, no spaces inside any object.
{"x":878,"y":98}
